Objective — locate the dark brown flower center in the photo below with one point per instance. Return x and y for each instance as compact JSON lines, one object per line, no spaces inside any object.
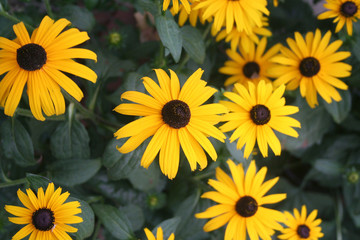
{"x":251,"y":70}
{"x":303,"y":231}
{"x":260,"y":114}
{"x":176,"y":114}
{"x":31,"y":57}
{"x":43,"y":219}
{"x":309,"y":67}
{"x":348,"y":9}
{"x":246,"y":206}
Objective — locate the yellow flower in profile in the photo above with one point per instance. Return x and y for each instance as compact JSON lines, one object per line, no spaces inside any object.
{"x":252,"y":65}
{"x":193,"y":16}
{"x":244,"y":14}
{"x":344,"y":12}
{"x":38,"y":62}
{"x":46,"y":216}
{"x":276,"y":3}
{"x":174,"y":117}
{"x":314,"y":65}
{"x":241,"y":38}
{"x":159,"y":234}
{"x":240,"y":203}
{"x":176,"y":6}
{"x":301,"y":226}
{"x":254,"y":114}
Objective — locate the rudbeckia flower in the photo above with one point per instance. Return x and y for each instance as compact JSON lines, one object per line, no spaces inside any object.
{"x":345,"y":12}
{"x":254,"y":114}
{"x":47,"y":216}
{"x":240,"y":203}
{"x":174,"y":117}
{"x":38,"y":62}
{"x":159,"y":234}
{"x":301,"y":226}
{"x":176,"y":7}
{"x":314,"y":65}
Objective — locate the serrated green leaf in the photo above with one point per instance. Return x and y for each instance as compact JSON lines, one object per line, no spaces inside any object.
{"x":135,"y":215}
{"x":114,"y":221}
{"x":37,"y":181}
{"x":169,"y":34}
{"x":193,"y":43}
{"x":86,"y":228}
{"x":74,"y":171}
{"x":70,"y":140}
{"x":16,"y":143}
{"x":168,"y":226}
{"x":80,"y":17}
{"x":339,"y":110}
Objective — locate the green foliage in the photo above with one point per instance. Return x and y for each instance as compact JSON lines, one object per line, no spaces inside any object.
{"x":119,"y":198}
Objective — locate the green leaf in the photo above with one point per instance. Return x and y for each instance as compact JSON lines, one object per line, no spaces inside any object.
{"x":80,"y":17}
{"x":169,"y":34}
{"x":70,"y":140}
{"x":328,"y":167}
{"x":74,"y":171}
{"x":193,"y":43}
{"x":86,"y":228}
{"x":114,"y":221}
{"x":16,"y":143}
{"x":121,"y":165}
{"x":339,"y":110}
{"x":135,"y":215}
{"x":145,"y":179}
{"x":168,"y":226}
{"x":235,"y":153}
{"x":37,"y":181}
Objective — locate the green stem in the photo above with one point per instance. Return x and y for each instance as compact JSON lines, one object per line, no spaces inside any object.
{"x":11,"y":183}
{"x":97,"y":229}
{"x":86,"y":113}
{"x":27,"y":113}
{"x":339,"y":215}
{"x":5,"y":14}
{"x":48,"y":9}
{"x":94,"y":99}
{"x":203,"y":175}
{"x":183,"y":61}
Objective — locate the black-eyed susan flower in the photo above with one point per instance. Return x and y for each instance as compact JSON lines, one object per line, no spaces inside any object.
{"x":244,"y":14}
{"x":37,"y":62}
{"x":241,"y":38}
{"x":240,"y":203}
{"x":251,"y":64}
{"x":159,"y":234}
{"x":254,"y":114}
{"x":176,"y":5}
{"x":314,"y":65}
{"x":46,"y":216}
{"x":276,"y":3}
{"x":345,"y":12}
{"x":174,"y":117}
{"x":301,"y":226}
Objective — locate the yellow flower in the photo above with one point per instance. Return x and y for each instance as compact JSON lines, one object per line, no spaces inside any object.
{"x":193,"y":16}
{"x":176,"y":117}
{"x":159,"y":234}
{"x":254,"y":113}
{"x":176,"y":7}
{"x":241,"y":199}
{"x":301,"y":226}
{"x":251,"y":65}
{"x":314,"y":65}
{"x":245,"y":14}
{"x":46,"y":216}
{"x":276,"y":3}
{"x":38,"y":62}
{"x":344,"y":12}
{"x":241,"y":38}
